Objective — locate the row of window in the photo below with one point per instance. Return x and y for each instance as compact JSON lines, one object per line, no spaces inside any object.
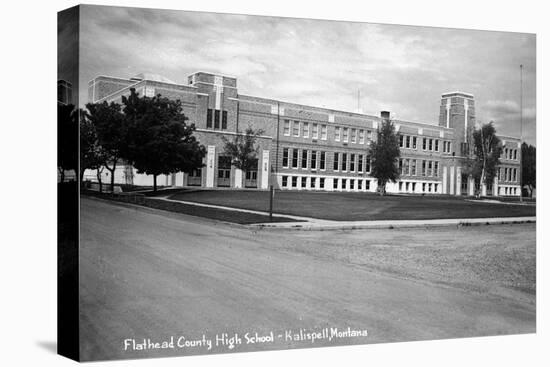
{"x":414,"y":167}
{"x":510,"y":154}
{"x":319,"y":183}
{"x":302,"y":129}
{"x":428,"y":144}
{"x":317,"y":160}
{"x":508,"y":174}
{"x":508,"y":191}
{"x":429,"y":187}
{"x":213,"y":119}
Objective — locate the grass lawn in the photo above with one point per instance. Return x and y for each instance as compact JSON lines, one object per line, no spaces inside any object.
{"x":198,"y":211}
{"x":356,"y":206}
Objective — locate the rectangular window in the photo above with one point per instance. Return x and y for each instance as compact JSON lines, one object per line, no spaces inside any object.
{"x":294,"y":158}
{"x":401,"y":139}
{"x":413,"y":167}
{"x":294,"y":181}
{"x":367,"y":184}
{"x":352,"y":162}
{"x":423,"y":187}
{"x":336,"y":164}
{"x":305,"y":129}
{"x":344,"y":184}
{"x":304,"y":182}
{"x":361,"y":136}
{"x":359,"y":184}
{"x":337,"y":133}
{"x":414,"y":142}
{"x":352,"y":184}
{"x":430,"y":146}
{"x":360,"y":164}
{"x":435,"y":187}
{"x":322,"y":159}
{"x":322,"y":183}
{"x":436,"y":169}
{"x":407,"y":167}
{"x":304,"y":158}
{"x":430,"y":172}
{"x":429,"y":187}
{"x":314,"y":132}
{"x":424,"y":143}
{"x":285,"y":157}
{"x":313,"y":183}
{"x":209,"y":118}
{"x":515,"y":154}
{"x":313,"y":160}
{"x":335,"y":183}
{"x":344,"y":162}
{"x":353,"y":136}
{"x":216,"y":119}
{"x":323,"y":132}
{"x":346,"y":136}
{"x":296,"y":128}
{"x":401,"y":166}
{"x":285,"y":181}
{"x":369,"y":135}
{"x":408,"y":142}
{"x":286,"y":129}
{"x":413,"y":186}
{"x":400,"y":186}
{"x":437,"y":145}
{"x":224,"y":120}
{"x":424,"y":169}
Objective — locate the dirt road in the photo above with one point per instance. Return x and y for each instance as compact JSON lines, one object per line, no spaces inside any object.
{"x":153,"y":275}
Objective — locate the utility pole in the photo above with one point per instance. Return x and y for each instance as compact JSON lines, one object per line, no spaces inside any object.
{"x":520,"y":133}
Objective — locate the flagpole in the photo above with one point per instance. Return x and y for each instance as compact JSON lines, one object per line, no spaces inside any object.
{"x":521,"y":133}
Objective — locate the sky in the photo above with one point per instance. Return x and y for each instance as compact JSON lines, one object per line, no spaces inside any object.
{"x":403,"y":69}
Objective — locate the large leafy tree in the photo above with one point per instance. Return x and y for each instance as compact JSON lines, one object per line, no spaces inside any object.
{"x":483,"y":154}
{"x":159,"y":139}
{"x":529,"y":166}
{"x":92,"y":155}
{"x":384,"y":154}
{"x":112,"y":133}
{"x":67,"y":137}
{"x":243,"y":149}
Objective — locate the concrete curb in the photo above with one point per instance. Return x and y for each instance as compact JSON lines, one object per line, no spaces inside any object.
{"x":391,"y":224}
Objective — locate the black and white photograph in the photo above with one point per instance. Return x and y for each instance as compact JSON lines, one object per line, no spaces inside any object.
{"x":241,"y":183}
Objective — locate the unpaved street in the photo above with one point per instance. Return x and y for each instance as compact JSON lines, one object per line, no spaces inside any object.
{"x":149,"y":274}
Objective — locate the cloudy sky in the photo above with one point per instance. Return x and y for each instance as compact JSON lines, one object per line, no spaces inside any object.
{"x":321,"y":63}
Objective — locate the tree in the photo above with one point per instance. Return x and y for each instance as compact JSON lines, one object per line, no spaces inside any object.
{"x":384,"y":154}
{"x":67,"y":138}
{"x":92,"y":155}
{"x":112,"y":133}
{"x":243,"y":149}
{"x":159,"y":140}
{"x":529,"y":167}
{"x":482,"y":154}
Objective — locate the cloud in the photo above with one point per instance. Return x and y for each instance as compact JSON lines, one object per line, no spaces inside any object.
{"x":322,"y":63}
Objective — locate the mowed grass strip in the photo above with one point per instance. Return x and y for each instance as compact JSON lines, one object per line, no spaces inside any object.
{"x":230,"y":216}
{"x":340,"y":206}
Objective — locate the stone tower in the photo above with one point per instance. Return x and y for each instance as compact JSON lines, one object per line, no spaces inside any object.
{"x":457,"y":112}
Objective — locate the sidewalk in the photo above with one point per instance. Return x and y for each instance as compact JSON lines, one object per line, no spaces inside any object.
{"x":321,"y":224}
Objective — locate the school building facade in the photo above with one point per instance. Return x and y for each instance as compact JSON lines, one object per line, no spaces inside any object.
{"x":310,"y":148}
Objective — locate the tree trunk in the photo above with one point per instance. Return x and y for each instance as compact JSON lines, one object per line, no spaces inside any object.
{"x":98,"y":175}
{"x":382,"y":188}
{"x":154,"y":183}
